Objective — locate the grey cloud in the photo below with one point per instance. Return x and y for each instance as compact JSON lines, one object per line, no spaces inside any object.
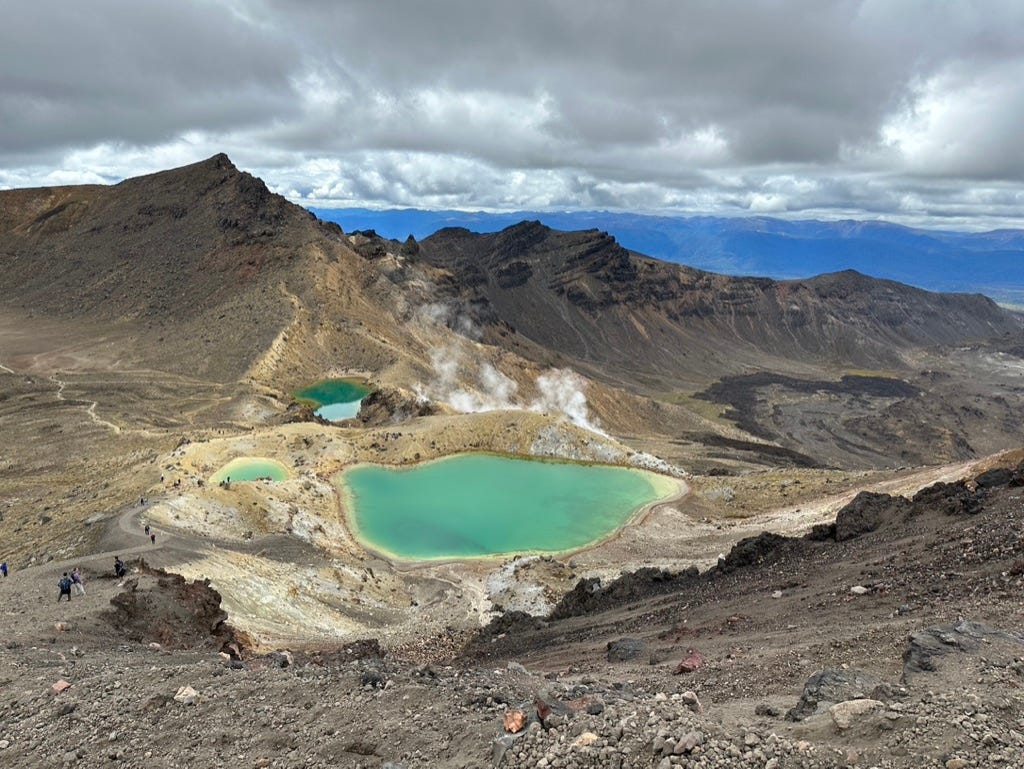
{"x":895,"y":107}
{"x":112,"y":70}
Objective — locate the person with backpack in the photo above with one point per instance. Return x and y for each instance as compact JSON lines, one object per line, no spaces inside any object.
{"x":65,"y":587}
{"x":3,"y":568}
{"x":118,"y":567}
{"x":77,"y":581}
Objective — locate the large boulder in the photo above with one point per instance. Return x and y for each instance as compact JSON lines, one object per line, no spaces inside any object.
{"x":169,"y":610}
{"x":949,"y":499}
{"x":590,"y":595}
{"x":753,"y":551}
{"x":828,"y":687}
{"x":392,"y":405}
{"x":626,"y":649}
{"x":963,"y":637}
{"x":997,"y":476}
{"x":851,"y":712}
{"x":866,"y":512}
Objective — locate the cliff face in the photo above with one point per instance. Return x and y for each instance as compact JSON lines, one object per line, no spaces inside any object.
{"x":583,"y":294}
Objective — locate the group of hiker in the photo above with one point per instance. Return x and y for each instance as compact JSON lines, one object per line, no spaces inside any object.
{"x":67,"y":582}
{"x":75,"y":581}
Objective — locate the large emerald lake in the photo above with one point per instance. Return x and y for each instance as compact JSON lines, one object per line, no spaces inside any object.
{"x":336,"y":398}
{"x":473,"y":505}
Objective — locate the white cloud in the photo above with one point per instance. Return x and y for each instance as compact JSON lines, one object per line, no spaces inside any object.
{"x":961,"y":122}
{"x":764,"y":204}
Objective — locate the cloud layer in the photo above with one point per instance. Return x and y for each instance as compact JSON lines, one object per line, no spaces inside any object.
{"x":904,"y":109}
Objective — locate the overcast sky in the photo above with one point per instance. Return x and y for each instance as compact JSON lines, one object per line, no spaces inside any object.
{"x":909,"y":110}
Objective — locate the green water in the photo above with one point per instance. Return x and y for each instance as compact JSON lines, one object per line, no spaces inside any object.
{"x":337,"y":398}
{"x":251,"y":469}
{"x":482,"y":505}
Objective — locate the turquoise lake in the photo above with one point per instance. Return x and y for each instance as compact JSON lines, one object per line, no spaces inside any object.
{"x":251,"y":469}
{"x":336,"y":398}
{"x":474,"y":505}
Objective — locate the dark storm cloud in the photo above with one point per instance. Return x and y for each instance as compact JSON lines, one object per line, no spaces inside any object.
{"x":899,"y":107}
{"x":77,"y":74}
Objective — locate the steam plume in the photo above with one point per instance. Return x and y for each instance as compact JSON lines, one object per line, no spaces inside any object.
{"x":561,"y":391}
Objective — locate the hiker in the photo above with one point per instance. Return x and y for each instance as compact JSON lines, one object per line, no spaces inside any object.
{"x":77,"y":581}
{"x":147,"y":529}
{"x":152,"y":537}
{"x":118,"y":567}
{"x":65,"y":587}
{"x":3,"y":568}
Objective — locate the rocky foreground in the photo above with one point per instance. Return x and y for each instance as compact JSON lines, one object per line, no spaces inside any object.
{"x":889,"y":639}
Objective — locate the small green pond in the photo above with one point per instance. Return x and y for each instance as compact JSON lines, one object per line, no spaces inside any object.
{"x":251,"y":469}
{"x":473,"y":505}
{"x":336,"y":398}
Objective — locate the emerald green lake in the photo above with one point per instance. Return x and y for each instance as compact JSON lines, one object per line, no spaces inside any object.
{"x":337,"y":398}
{"x":251,"y":469}
{"x":474,"y":505}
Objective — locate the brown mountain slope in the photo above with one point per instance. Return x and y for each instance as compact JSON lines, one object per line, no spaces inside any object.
{"x":171,"y":243}
{"x":628,"y":317}
{"x":200,"y":270}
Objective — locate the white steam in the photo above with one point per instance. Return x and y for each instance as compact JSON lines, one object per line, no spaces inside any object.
{"x":559,"y":391}
{"x":498,"y":386}
{"x":442,"y":314}
{"x":470,"y":387}
{"x":493,"y":391}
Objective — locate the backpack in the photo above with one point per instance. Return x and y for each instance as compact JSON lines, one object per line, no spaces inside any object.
{"x":65,"y":585}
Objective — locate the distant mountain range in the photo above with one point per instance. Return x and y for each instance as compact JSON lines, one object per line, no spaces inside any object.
{"x":203,"y":274}
{"x":991,"y":263}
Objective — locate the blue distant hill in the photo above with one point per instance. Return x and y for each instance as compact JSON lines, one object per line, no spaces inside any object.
{"x":990,"y":263}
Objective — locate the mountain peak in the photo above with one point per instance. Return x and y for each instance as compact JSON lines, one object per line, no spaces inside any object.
{"x":200,"y":175}
{"x":220,"y":161}
{"x":526,"y":226}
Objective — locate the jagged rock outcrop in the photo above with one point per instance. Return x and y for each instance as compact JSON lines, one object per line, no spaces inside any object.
{"x":867,"y":512}
{"x":828,"y":687}
{"x":585,"y":295}
{"x":177,"y":614}
{"x":928,"y":647}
